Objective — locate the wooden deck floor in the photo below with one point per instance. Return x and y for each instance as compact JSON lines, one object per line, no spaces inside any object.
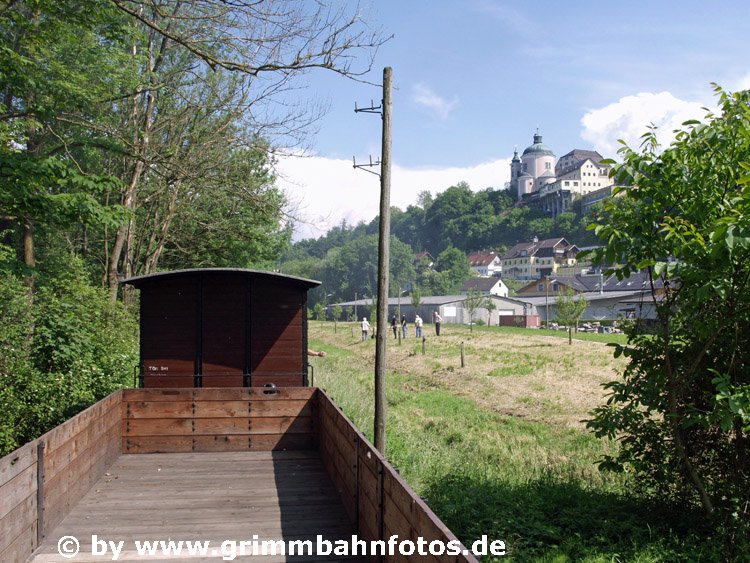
{"x":205,"y":496}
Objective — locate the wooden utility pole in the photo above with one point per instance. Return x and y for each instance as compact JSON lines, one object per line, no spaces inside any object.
{"x":383,"y":265}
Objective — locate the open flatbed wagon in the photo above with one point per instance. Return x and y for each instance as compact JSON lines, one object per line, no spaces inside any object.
{"x":206,"y":464}
{"x":223,"y":441}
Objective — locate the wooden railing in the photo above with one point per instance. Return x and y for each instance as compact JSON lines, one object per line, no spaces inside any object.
{"x":41,"y":481}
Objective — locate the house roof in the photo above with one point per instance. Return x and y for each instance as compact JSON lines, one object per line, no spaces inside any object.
{"x":425,"y":300}
{"x":419,"y":255}
{"x":582,"y":154}
{"x":482,"y":258}
{"x":533,"y":248}
{"x":638,"y":281}
{"x":482,"y":284}
{"x":542,"y":300}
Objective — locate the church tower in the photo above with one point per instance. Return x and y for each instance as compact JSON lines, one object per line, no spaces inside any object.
{"x":516,"y":168}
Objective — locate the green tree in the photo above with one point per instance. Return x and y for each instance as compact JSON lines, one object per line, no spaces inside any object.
{"x":57,"y":63}
{"x":474,"y":301}
{"x":416,"y":296}
{"x":319,"y":311}
{"x":569,"y":309}
{"x":682,"y":408}
{"x":454,"y":270}
{"x":336,"y":311}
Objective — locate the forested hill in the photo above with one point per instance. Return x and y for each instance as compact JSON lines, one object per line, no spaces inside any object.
{"x":448,"y":225}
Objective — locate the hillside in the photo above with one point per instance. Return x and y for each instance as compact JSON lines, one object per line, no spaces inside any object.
{"x":448,"y":225}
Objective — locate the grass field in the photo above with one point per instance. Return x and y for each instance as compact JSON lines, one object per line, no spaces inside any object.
{"x":499,"y":447}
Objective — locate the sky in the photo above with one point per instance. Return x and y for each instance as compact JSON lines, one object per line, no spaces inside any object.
{"x":475,"y":79}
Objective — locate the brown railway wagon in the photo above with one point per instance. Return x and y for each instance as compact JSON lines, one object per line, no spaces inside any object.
{"x":222,"y":327}
{"x":222,"y":464}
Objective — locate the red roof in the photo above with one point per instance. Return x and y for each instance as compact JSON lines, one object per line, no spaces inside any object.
{"x":482,"y":258}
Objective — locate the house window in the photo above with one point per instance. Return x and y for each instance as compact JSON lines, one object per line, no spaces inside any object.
{"x":547,"y":165}
{"x":540,"y":287}
{"x":554,"y":287}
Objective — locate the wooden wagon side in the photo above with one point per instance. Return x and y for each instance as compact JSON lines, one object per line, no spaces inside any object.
{"x":43,"y":481}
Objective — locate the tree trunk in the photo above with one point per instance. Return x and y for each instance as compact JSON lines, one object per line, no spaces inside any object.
{"x":29,"y":257}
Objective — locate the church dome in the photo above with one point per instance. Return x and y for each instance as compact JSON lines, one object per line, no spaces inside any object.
{"x":538,"y":148}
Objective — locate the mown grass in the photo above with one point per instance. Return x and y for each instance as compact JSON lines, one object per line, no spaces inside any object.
{"x":607,"y":338}
{"x":533,"y":484}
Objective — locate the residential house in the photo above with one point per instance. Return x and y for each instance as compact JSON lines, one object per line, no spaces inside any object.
{"x":485,"y":263}
{"x":537,"y":259}
{"x":486,"y":286}
{"x":424,"y":258}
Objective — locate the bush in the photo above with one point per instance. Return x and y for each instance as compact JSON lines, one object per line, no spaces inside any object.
{"x":682,"y":409}
{"x":62,"y":348}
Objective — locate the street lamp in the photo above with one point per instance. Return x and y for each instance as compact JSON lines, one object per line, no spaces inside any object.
{"x":546,"y":300}
{"x":400,"y":329}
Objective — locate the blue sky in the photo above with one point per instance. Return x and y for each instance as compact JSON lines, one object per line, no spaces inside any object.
{"x":474,"y":78}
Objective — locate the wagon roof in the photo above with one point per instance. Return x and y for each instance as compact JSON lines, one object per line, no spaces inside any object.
{"x":137,"y":281}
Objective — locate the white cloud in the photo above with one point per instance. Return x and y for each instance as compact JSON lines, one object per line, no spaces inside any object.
{"x":327,"y":190}
{"x":441,"y":107}
{"x":629,"y":117}
{"x":741,"y":84}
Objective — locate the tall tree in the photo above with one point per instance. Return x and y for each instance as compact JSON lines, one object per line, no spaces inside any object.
{"x":260,"y":49}
{"x":56,"y":62}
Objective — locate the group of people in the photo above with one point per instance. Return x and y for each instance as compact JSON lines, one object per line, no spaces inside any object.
{"x":395,"y":325}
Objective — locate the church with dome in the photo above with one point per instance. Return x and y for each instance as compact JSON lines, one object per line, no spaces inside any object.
{"x":542,"y":181}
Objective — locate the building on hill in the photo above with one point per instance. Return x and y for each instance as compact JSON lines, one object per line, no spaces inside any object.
{"x":485,"y":263}
{"x":424,"y":257}
{"x":537,"y":259}
{"x":541,"y":181}
{"x":486,"y":286}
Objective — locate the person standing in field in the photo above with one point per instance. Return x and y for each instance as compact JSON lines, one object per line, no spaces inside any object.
{"x":403,"y":324}
{"x":365,"y":328}
{"x":437,"y":319}
{"x":393,"y":326}
{"x":418,"y":326}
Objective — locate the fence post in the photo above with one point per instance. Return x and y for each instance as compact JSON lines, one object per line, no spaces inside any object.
{"x":463,"y":363}
{"x":423,"y":345}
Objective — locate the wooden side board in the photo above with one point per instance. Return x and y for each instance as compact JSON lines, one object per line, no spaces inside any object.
{"x":43,"y":479}
{"x":379,"y":501}
{"x":217,"y":419}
